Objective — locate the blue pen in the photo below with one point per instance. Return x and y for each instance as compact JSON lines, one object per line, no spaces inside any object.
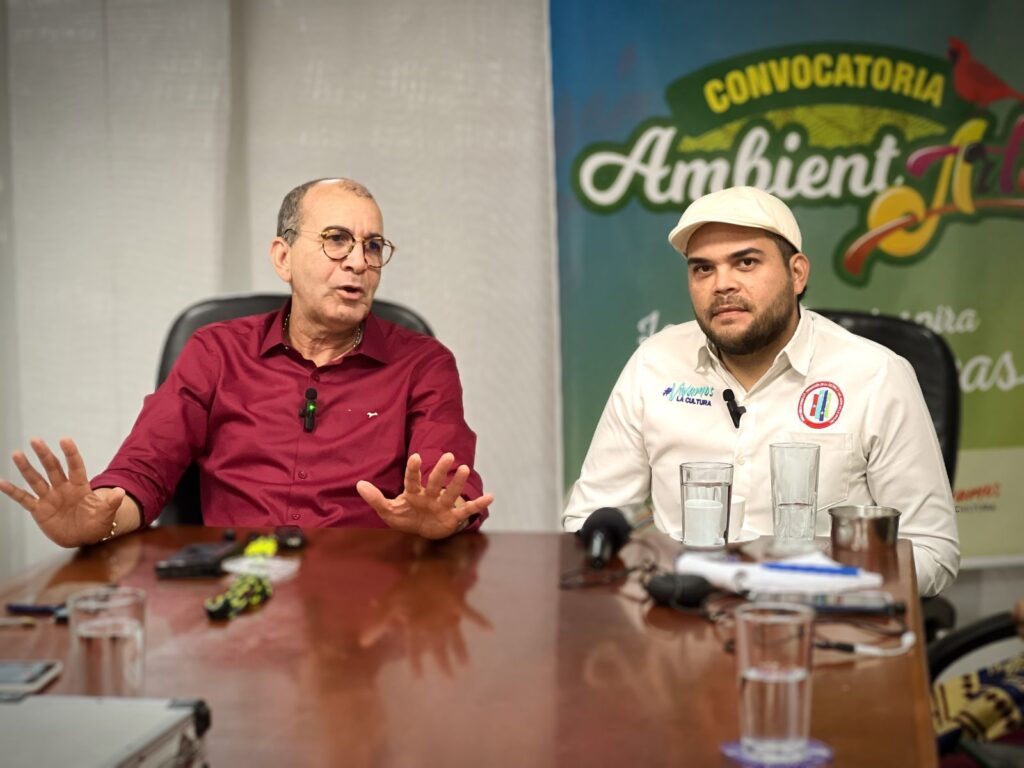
{"x":826,"y":570}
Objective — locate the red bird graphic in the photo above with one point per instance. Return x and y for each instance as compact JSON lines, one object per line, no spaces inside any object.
{"x":973,"y":81}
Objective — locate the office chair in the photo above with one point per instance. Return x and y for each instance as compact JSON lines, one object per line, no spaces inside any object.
{"x":184,"y":508}
{"x":986,"y":634}
{"x":935,"y":366}
{"x":229,"y":307}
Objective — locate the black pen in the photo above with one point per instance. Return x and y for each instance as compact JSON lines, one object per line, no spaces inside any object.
{"x":33,"y":609}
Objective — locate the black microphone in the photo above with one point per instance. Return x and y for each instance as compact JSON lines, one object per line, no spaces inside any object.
{"x":604,"y":533}
{"x":734,"y":410}
{"x":678,"y":590}
{"x":308,"y":411}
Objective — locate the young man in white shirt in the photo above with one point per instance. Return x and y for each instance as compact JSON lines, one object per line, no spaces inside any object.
{"x":799,"y":376}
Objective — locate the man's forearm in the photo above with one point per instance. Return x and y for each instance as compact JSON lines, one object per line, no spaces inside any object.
{"x":935,"y":570}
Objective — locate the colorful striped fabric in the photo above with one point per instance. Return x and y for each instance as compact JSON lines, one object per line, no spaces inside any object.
{"x":981,"y":706}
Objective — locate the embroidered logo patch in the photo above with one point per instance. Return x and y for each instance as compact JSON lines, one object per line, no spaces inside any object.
{"x":820,"y":405}
{"x":681,"y":392}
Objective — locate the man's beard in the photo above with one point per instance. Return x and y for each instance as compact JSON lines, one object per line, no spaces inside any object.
{"x":763,"y":331}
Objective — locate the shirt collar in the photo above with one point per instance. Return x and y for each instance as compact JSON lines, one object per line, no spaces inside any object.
{"x":273,"y":332}
{"x":705,"y":356}
{"x":373,"y":345}
{"x":797,"y":351}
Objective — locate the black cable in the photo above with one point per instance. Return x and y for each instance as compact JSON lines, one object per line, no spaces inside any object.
{"x":581,"y":578}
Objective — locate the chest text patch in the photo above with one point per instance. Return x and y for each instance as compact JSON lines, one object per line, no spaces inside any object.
{"x":681,"y":392}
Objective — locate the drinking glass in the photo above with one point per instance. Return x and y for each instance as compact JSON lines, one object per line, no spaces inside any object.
{"x":773,"y":652}
{"x":794,"y":472}
{"x":706,"y":489}
{"x":108,"y":639}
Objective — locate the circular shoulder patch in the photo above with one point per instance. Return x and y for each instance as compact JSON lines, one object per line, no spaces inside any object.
{"x":820,"y":405}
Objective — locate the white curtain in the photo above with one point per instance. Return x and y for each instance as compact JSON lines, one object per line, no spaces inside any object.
{"x":145,"y":146}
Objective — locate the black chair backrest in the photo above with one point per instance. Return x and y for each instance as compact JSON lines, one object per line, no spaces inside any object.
{"x":229,"y":307}
{"x":932,"y":361}
{"x":184,"y":506}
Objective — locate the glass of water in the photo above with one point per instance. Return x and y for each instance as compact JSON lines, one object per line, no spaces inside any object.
{"x":773,"y":653}
{"x":794,"y":471}
{"x":108,"y":639}
{"x":706,"y":489}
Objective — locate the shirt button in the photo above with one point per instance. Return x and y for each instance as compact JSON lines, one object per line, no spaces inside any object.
{"x":295,"y":515}
{"x":316,"y":377}
{"x":741,"y":460}
{"x":302,"y":475}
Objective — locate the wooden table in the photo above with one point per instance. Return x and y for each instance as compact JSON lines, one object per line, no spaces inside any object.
{"x":386,"y":650}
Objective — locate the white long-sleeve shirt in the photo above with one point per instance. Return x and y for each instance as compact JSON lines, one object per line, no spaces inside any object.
{"x":857,"y":400}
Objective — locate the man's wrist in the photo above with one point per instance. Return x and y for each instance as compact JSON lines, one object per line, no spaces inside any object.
{"x":113,"y":530}
{"x":466,"y":523}
{"x":128,"y":517}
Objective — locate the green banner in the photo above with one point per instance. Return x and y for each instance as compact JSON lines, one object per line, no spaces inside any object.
{"x":899,"y":154}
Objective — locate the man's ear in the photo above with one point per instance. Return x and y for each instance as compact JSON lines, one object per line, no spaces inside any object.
{"x":800,"y":268}
{"x":281,"y":258}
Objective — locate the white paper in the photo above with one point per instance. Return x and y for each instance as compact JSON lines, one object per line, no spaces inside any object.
{"x":743,"y":577}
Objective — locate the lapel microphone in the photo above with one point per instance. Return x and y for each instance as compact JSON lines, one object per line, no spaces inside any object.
{"x":308,"y":411}
{"x":736,"y":411}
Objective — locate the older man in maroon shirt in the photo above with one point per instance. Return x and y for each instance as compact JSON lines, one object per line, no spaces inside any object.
{"x":388,"y":407}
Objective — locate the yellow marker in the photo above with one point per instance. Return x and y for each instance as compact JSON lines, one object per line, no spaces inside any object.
{"x":264,"y":546}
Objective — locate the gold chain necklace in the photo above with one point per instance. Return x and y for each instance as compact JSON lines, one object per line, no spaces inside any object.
{"x":355,"y":342}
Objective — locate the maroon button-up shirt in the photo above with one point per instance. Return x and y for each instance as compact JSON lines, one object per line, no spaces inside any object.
{"x":231,"y":404}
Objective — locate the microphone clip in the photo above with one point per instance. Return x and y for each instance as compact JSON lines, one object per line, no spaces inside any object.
{"x":735,"y":411}
{"x":308,"y":411}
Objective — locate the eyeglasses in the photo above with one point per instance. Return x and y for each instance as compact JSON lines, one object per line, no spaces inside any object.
{"x":338,"y":243}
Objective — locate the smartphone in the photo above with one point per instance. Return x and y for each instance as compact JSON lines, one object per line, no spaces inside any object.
{"x":197,"y":560}
{"x":27,"y":676}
